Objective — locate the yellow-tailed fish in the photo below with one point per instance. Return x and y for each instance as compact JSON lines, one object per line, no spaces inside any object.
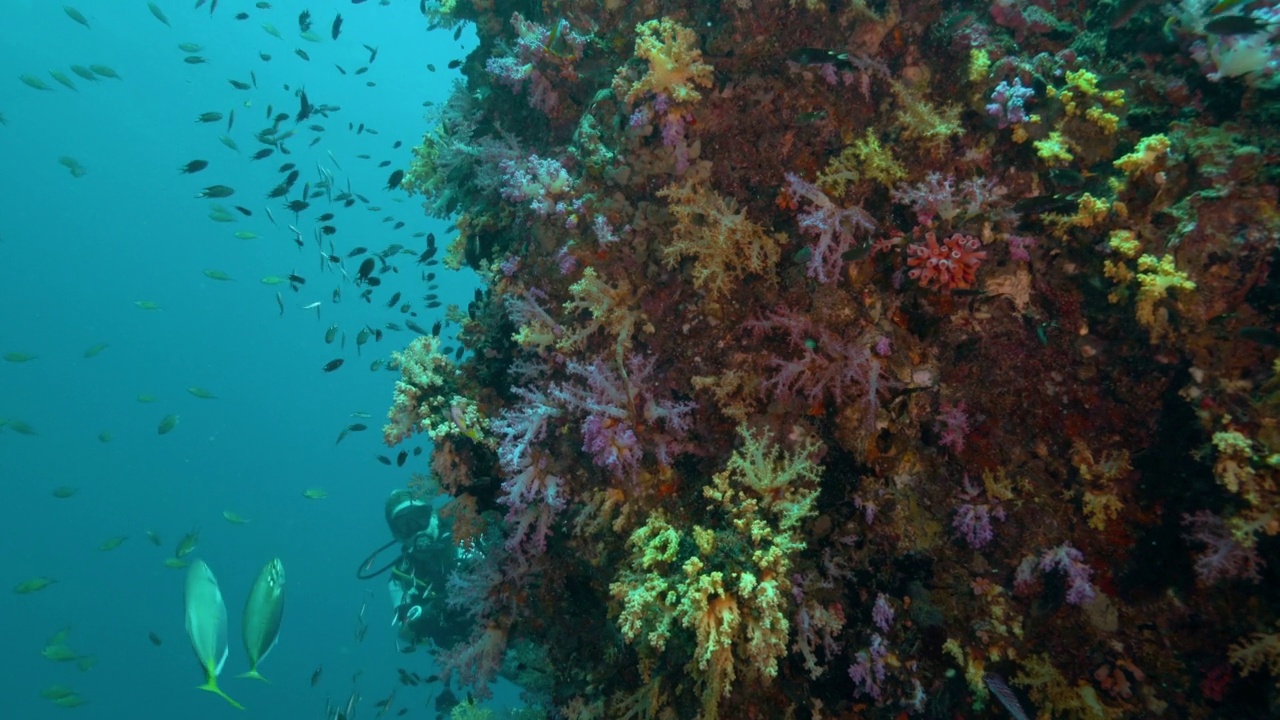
{"x":167,"y":424}
{"x":262,"y":614}
{"x":187,"y":544}
{"x":34,"y":584}
{"x":53,"y":692}
{"x":60,"y":637}
{"x":93,"y":351}
{"x":59,"y":653}
{"x":69,"y":701}
{"x":234,"y":518}
{"x":207,"y":625}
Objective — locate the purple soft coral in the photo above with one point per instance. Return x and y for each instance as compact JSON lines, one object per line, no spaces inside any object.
{"x":541,"y":182}
{"x":952,"y":426}
{"x":941,"y":197}
{"x":1008,"y":102}
{"x":974,"y":515}
{"x":868,"y":669}
{"x":973,"y":522}
{"x":1223,"y":557}
{"x":1070,"y":562}
{"x":615,"y":405}
{"x":534,"y":58}
{"x":522,"y":426}
{"x":533,"y":498}
{"x":836,"y":227}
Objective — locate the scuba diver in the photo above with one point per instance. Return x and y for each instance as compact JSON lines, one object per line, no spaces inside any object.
{"x":418,"y":575}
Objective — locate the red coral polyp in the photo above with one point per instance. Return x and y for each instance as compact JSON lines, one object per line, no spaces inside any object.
{"x":953,"y":264}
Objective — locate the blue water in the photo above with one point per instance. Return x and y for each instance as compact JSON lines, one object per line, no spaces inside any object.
{"x":76,"y":255}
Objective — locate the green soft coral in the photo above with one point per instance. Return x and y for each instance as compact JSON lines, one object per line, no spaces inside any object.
{"x":729,"y":588}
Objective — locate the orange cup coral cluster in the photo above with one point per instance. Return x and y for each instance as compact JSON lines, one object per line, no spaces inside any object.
{"x":953,"y":264}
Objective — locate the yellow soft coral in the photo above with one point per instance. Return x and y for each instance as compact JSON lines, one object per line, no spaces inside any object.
{"x":1083,"y":84}
{"x":1056,"y":697}
{"x":979,"y":64}
{"x":760,"y":478}
{"x":1090,"y":212}
{"x":1156,"y":277}
{"x":1100,"y":475}
{"x":725,"y":245}
{"x":865,"y":158}
{"x":1124,"y":243}
{"x":610,"y":307}
{"x":712,"y":612}
{"x":1150,"y":152}
{"x":675,"y":62}
{"x":648,"y":598}
{"x":1053,"y":149}
{"x":1258,"y":651}
{"x":923,"y":122}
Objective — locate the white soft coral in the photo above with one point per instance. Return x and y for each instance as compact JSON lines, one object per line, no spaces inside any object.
{"x":1254,"y":58}
{"x":1247,"y":56}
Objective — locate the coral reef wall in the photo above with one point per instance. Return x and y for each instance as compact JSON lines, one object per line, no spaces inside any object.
{"x":853,"y":359}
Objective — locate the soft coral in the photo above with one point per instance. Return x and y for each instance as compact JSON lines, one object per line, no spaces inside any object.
{"x":837,"y":228}
{"x":821,"y":364}
{"x":622,"y":410}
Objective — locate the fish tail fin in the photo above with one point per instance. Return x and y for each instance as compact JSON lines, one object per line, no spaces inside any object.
{"x":253,"y":674}
{"x":211,"y":685}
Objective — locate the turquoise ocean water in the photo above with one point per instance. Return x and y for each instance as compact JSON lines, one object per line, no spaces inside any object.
{"x":79,"y":252}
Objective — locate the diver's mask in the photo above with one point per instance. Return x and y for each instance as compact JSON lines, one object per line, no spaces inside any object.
{"x":414,"y":525}
{"x":407,"y":517}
